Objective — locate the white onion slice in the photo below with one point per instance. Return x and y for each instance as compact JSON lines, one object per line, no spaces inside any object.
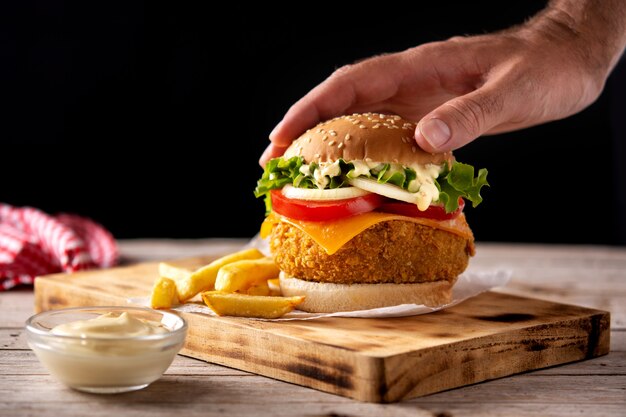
{"x":295,"y":193}
{"x":388,"y":190}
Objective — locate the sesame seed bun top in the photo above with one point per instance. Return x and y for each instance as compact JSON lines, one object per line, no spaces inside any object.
{"x":368,"y":136}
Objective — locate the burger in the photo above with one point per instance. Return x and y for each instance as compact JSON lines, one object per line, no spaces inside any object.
{"x":360,"y":217}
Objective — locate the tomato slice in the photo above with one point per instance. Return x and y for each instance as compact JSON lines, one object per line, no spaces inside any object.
{"x":316,"y":211}
{"x":411,"y":210}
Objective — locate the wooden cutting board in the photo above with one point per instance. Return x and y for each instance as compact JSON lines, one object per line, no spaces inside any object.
{"x":377,"y":360}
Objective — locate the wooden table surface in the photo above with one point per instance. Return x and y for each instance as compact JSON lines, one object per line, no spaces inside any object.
{"x":590,"y":276}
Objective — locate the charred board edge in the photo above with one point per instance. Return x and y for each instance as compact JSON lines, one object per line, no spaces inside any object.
{"x":578,"y":338}
{"x":320,"y":366}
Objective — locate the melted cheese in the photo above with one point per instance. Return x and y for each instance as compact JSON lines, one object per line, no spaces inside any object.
{"x":332,"y":235}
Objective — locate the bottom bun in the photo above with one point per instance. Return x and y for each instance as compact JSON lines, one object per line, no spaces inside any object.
{"x":325,"y":297}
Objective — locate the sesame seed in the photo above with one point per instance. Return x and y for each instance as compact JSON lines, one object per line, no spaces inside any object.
{"x":362,"y":127}
{"x":368,"y":159}
{"x":403,"y":140}
{"x":376,"y":126}
{"x":392,"y":121}
{"x":375,"y":121}
{"x":332,"y":133}
{"x":413,"y":149}
{"x":397,"y":117}
{"x":382,"y":116}
{"x":393,"y":127}
{"x":320,"y":130}
{"x":331,"y":143}
{"x":340,"y":146}
{"x":347,"y":137}
{"x":325,"y":138}
{"x":308,"y":140}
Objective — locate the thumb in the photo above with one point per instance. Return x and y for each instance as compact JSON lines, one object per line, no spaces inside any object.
{"x":461,"y":120}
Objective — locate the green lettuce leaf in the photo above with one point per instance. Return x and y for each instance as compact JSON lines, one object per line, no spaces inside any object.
{"x":459,"y":181}
{"x":392,"y":175}
{"x":279,"y":172}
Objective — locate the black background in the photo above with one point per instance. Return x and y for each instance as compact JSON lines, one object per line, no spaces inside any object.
{"x":151,"y":118}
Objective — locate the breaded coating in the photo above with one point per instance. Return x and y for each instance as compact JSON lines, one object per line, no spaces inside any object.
{"x":392,"y":251}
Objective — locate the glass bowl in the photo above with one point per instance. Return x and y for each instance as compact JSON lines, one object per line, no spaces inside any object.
{"x":105,"y":365}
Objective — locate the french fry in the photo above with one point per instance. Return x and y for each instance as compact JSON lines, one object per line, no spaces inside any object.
{"x":203,"y":279}
{"x":274,"y":285}
{"x":259,"y":289}
{"x":244,"y":305}
{"x":164,"y":293}
{"x":241,"y":275}
{"x":176,"y":273}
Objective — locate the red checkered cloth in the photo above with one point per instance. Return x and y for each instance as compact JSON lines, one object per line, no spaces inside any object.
{"x":33,"y":243}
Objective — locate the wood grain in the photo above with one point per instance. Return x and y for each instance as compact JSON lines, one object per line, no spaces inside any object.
{"x":524,"y":395}
{"x":376,"y":360}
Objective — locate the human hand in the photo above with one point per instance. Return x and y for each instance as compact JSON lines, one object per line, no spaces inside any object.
{"x":464,"y":87}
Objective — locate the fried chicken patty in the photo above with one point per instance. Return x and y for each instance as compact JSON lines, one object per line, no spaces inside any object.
{"x":391,"y":251}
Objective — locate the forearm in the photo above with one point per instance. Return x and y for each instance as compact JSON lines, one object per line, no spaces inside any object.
{"x":595,"y":29}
